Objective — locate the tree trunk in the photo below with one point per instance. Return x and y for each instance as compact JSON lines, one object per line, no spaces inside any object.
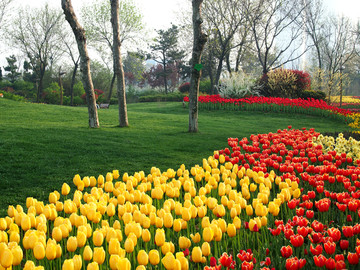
{"x":41,"y":78}
{"x":73,"y":82}
{"x":118,"y":67}
{"x":84,"y":61}
{"x":61,"y":87}
{"x":200,"y":39}
{"x":111,"y":88}
{"x":165,"y":79}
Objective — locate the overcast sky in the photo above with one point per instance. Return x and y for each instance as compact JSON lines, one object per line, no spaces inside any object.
{"x":158,"y":14}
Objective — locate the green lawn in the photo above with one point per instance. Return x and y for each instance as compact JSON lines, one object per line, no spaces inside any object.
{"x":42,"y":146}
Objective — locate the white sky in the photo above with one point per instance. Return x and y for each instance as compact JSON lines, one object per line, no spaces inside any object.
{"x":158,"y":14}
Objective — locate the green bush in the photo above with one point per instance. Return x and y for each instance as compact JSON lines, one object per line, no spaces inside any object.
{"x":51,"y":94}
{"x":312,"y":94}
{"x":78,"y":101}
{"x":177,"y":96}
{"x":205,"y":86}
{"x":12,"y":96}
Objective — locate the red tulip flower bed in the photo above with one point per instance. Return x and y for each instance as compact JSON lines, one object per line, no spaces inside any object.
{"x":320,"y":228}
{"x":274,"y":104}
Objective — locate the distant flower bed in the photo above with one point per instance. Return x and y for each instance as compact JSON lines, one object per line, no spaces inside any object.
{"x":274,"y":104}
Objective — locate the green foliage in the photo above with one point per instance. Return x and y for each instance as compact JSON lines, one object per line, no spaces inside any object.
{"x":12,"y":69}
{"x":78,"y":89}
{"x":12,"y":96}
{"x":237,"y":85}
{"x":35,"y":141}
{"x":76,"y":101}
{"x":313,"y":94}
{"x":176,"y":96}
{"x":51,"y":94}
{"x":205,"y":86}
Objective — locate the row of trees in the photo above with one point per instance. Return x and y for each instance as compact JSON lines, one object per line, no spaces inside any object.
{"x":254,"y":36}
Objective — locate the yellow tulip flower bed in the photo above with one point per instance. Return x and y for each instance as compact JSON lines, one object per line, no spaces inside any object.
{"x":185,"y":218}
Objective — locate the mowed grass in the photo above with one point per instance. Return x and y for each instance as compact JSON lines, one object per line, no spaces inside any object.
{"x":42,"y":146}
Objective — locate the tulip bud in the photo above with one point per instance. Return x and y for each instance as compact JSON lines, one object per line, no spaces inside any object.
{"x":114,"y":246}
{"x":154,"y":257}
{"x":196,"y":255}
{"x":87,"y":254}
{"x":77,"y":262}
{"x":65,"y":189}
{"x":50,"y":251}
{"x":93,"y":266}
{"x":168,"y":261}
{"x":231,"y":230}
{"x":98,"y":238}
{"x":99,"y":255}
{"x":124,"y":264}
{"x":146,"y":235}
{"x":17,"y":255}
{"x":7,"y":258}
{"x":39,"y":251}
{"x":142,"y":257}
{"x":205,"y":249}
{"x":208,"y":234}
{"x":71,"y":244}
{"x":159,"y":237}
{"x":114,"y":260}
{"x":129,"y":245}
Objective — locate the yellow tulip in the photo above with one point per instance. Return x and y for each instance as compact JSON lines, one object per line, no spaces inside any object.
{"x":249,"y":210}
{"x":124,"y":264}
{"x":129,"y":245}
{"x":68,"y":265}
{"x":114,"y":246}
{"x":142,"y":257}
{"x":6,"y":258}
{"x":252,"y":224}
{"x":77,"y":262}
{"x":208,"y":234}
{"x":29,"y":265}
{"x":237,"y":222}
{"x":71,"y":244}
{"x":196,"y":254}
{"x":184,"y":242}
{"x":58,"y":251}
{"x":88,"y":253}
{"x":65,"y":189}
{"x":177,"y":225}
{"x":17,"y":255}
{"x":146,"y":235}
{"x":39,"y":251}
{"x":50,"y":251}
{"x":93,"y":266}
{"x":114,"y":260}
{"x":98,"y":238}
{"x":168,"y":220}
{"x":231,"y":230}
{"x":159,"y":237}
{"x":81,"y":239}
{"x":195,"y":238}
{"x":168,"y":260}
{"x":165,"y":248}
{"x":206,"y":249}
{"x":99,"y":255}
{"x":154,"y":257}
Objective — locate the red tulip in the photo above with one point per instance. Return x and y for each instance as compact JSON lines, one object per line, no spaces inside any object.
{"x":344,"y":244}
{"x":330,"y":247}
{"x":340,"y":265}
{"x":334,"y":233}
{"x":286,"y":251}
{"x":317,"y":250}
{"x":297,"y":240}
{"x":320,"y":260}
{"x":213,"y":261}
{"x":309,"y":214}
{"x":353,"y":258}
{"x":247,"y":266}
{"x":330,"y":263}
{"x":348,"y":231}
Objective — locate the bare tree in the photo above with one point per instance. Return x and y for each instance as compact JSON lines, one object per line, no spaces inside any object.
{"x":200,"y":39}
{"x":67,"y":46}
{"x":227,"y":28}
{"x":4,"y":5}
{"x":35,"y":33}
{"x":338,"y":47}
{"x":84,"y":61}
{"x":97,"y":17}
{"x":118,"y":67}
{"x":270,"y":21}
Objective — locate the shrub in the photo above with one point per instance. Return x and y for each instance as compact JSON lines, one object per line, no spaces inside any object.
{"x":51,"y":94}
{"x":11,"y":96}
{"x":237,"y":85}
{"x":313,"y":94}
{"x":98,"y":94}
{"x":286,"y":83}
{"x":184,"y":88}
{"x":205,"y":86}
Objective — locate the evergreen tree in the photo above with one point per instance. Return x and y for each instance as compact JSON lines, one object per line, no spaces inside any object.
{"x":12,"y":69}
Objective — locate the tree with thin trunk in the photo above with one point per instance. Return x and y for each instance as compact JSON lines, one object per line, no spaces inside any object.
{"x":118,"y":67}
{"x":270,"y":21}
{"x":84,"y":61}
{"x":35,"y":33}
{"x":200,"y":39}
